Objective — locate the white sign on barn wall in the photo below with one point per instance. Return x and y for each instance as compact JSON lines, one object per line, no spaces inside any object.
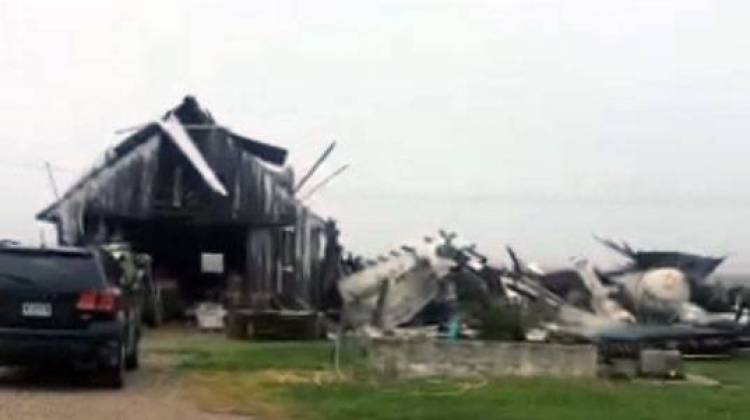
{"x":212,"y":263}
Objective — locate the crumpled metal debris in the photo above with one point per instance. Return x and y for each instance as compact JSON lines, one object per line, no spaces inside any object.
{"x":393,"y":291}
{"x":666,"y":287}
{"x":650,"y":301}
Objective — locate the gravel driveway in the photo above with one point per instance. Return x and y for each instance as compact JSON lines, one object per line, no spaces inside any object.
{"x":155,"y":391}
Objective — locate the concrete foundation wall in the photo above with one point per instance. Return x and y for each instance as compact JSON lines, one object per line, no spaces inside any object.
{"x":421,"y":358}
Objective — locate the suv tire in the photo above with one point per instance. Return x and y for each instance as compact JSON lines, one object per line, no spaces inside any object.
{"x":132,"y":360}
{"x":114,"y":376}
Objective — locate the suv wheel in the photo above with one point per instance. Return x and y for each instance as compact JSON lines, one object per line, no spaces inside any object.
{"x":115,"y":375}
{"x":132,"y":361}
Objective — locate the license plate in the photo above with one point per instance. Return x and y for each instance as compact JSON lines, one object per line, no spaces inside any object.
{"x":37,"y":310}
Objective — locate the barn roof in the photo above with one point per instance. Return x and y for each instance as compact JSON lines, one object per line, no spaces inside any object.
{"x":175,"y":124}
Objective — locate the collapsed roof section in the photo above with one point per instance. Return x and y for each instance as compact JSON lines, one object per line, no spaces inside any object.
{"x":184,"y":166}
{"x":192,"y":116}
{"x":696,"y":267}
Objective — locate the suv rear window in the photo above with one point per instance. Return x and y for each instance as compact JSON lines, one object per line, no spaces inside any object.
{"x":60,"y":272}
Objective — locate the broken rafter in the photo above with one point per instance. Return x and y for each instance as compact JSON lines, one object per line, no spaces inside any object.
{"x":315,"y":166}
{"x":325,"y":181}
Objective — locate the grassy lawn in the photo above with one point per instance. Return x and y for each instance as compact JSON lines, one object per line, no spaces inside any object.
{"x":295,"y":381}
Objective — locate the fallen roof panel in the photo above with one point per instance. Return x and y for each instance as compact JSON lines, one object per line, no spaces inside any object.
{"x":176,"y":132}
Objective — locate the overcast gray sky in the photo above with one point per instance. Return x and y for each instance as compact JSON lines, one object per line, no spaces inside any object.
{"x":535,"y":123}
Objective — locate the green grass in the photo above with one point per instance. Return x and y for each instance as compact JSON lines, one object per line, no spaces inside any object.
{"x":241,"y":364}
{"x":520,"y":399}
{"x":214,"y":353}
{"x":734,"y":372}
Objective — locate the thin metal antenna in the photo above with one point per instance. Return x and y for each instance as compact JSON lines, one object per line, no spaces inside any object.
{"x":322,"y":183}
{"x":315,"y":166}
{"x":52,"y":182}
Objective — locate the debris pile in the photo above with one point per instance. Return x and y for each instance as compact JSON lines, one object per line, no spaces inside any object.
{"x":444,"y":287}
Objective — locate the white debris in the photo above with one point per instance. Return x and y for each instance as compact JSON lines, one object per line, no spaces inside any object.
{"x":210,"y":316}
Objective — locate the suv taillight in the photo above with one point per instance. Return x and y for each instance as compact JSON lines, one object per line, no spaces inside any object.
{"x":107,"y":300}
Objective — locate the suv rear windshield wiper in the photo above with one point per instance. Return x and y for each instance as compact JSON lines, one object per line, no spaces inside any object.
{"x":18,"y":279}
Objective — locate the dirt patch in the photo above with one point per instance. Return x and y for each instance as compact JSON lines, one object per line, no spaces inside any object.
{"x":156,"y":391}
{"x":254,"y":394}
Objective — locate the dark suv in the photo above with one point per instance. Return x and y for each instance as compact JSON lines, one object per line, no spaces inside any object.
{"x":67,"y":306}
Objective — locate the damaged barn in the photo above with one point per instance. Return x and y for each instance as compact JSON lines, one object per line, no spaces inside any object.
{"x":216,"y":212}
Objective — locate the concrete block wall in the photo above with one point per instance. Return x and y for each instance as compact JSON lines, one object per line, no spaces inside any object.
{"x":429,"y":357}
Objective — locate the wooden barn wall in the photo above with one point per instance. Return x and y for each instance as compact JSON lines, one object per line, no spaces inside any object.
{"x":259,"y":193}
{"x":121,"y":189}
{"x":308,"y":255}
{"x":261,"y":268}
{"x":290,"y":277}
